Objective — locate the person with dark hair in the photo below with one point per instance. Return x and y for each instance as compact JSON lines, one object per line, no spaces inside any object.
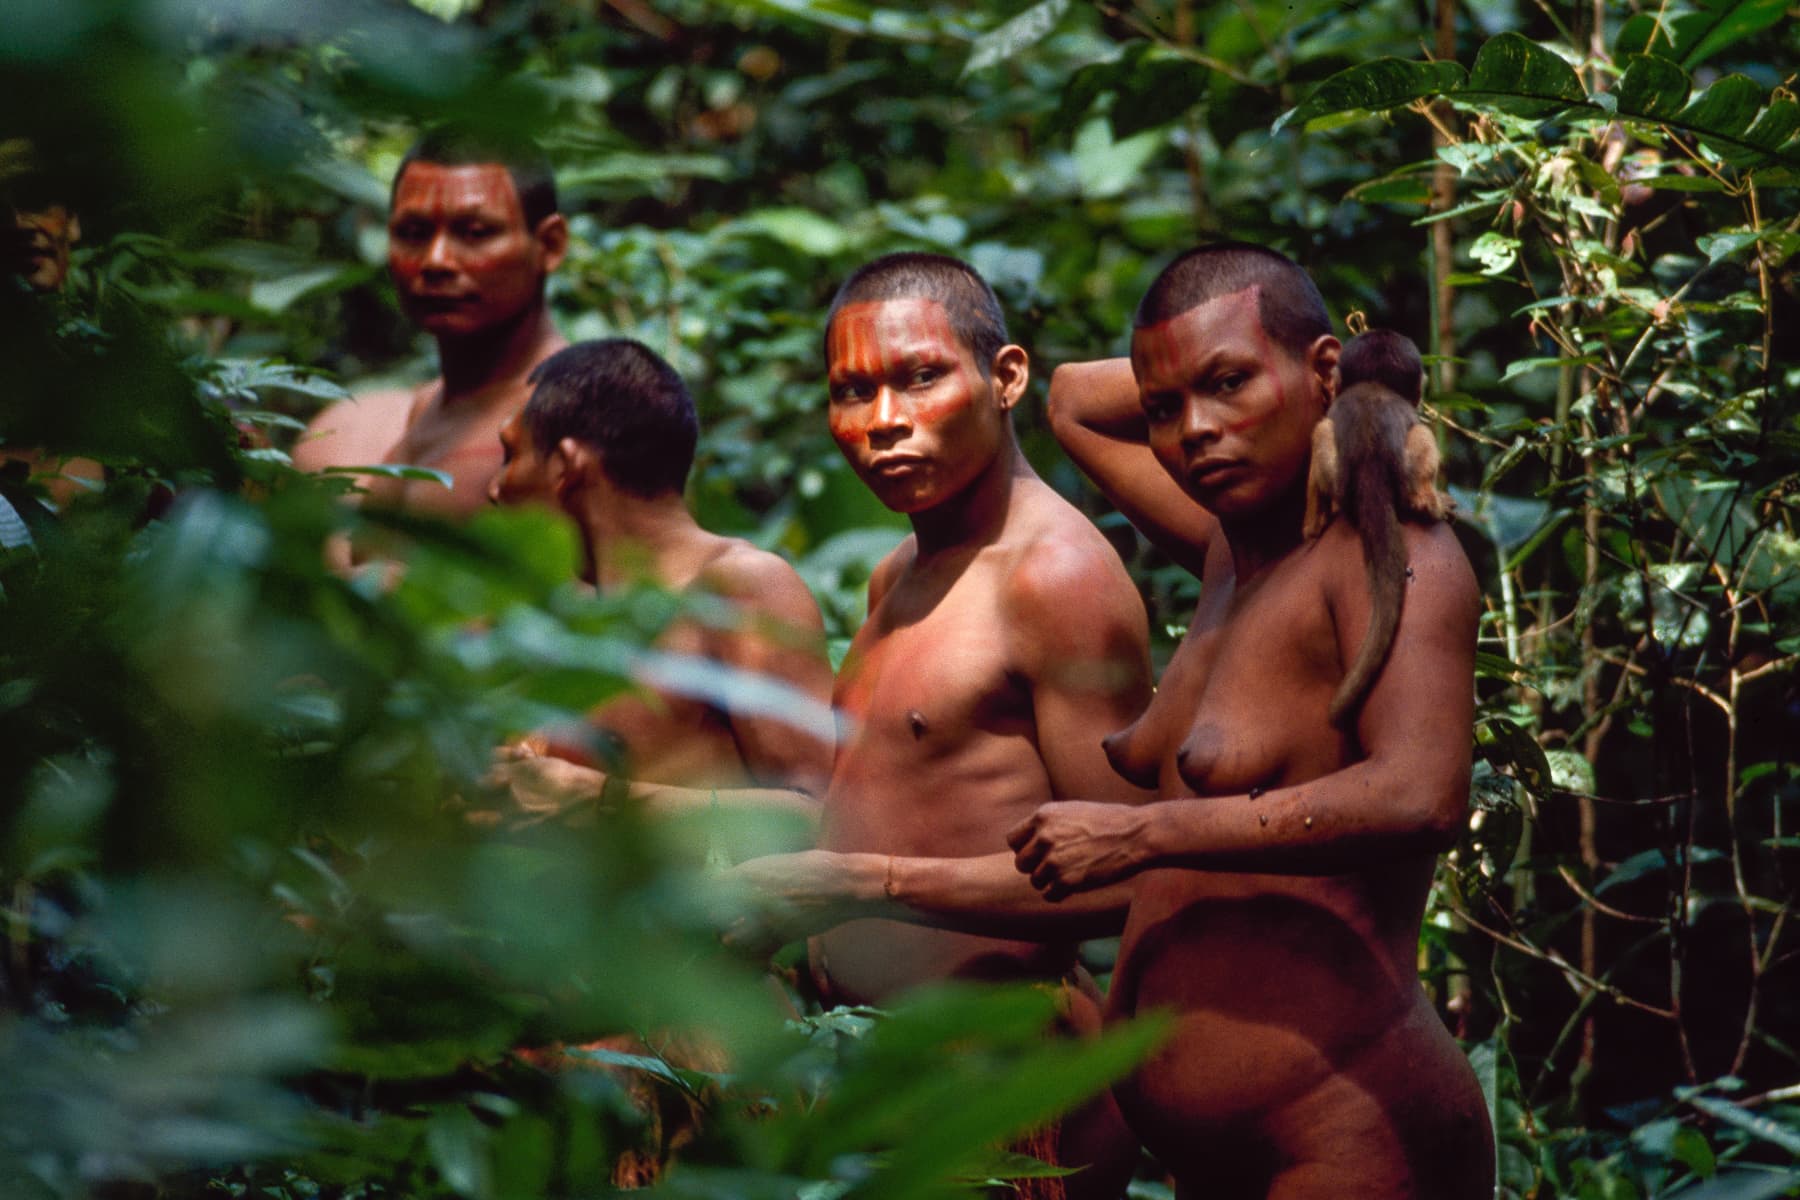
{"x":607,"y":438}
{"x":1281,"y":879}
{"x":473,"y":233}
{"x":1004,"y":639}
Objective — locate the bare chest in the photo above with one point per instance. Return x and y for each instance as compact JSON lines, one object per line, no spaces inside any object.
{"x":464,"y":445}
{"x":1243,"y":703}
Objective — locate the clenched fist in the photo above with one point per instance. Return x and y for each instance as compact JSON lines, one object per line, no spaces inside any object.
{"x":1073,"y":845}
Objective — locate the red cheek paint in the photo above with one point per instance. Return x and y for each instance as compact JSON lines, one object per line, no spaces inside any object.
{"x":1269,"y":364}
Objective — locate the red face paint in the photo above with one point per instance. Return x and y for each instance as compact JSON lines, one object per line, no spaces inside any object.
{"x":1216,"y":393}
{"x":461,"y":255}
{"x":909,"y":408}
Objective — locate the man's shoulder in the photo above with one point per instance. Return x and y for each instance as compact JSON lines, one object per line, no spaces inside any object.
{"x":357,"y":430}
{"x":1063,"y":570}
{"x":759,"y":579}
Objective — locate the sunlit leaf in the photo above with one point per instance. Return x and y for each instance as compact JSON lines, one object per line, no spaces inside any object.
{"x":1377,"y":86}
{"x":1019,"y":33}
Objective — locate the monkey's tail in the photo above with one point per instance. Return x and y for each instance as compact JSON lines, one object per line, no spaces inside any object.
{"x":1384,"y":562}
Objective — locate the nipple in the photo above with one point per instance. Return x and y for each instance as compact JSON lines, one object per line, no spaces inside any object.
{"x":916,"y":719}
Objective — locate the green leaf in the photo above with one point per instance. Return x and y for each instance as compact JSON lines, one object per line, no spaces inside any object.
{"x":1518,"y":75}
{"x":1652,"y":87}
{"x":1721,"y":23}
{"x":1742,"y":1183}
{"x":1160,"y":86}
{"x":1766,"y":1128}
{"x":393,"y":471}
{"x":1723,"y":245}
{"x":1021,"y":32}
{"x":1375,"y":86}
{"x":799,"y":229}
{"x":1680,"y":183}
{"x":1645,"y":862}
{"x":1107,"y":166}
{"x":1509,"y":748}
{"x":1778,"y":122}
{"x":1726,"y":108}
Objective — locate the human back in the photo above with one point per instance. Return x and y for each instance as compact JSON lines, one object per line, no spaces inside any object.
{"x":607,"y":439}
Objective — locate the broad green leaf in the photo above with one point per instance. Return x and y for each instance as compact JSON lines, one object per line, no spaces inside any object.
{"x":1509,"y":748}
{"x":1107,"y":166}
{"x":1755,"y":1124}
{"x":1021,"y":32}
{"x":1520,"y":76}
{"x":1778,"y":122}
{"x":1647,"y":862}
{"x":644,"y":168}
{"x":275,"y":295}
{"x":1725,"y":243}
{"x":1375,"y":87}
{"x":1680,"y":183}
{"x":1652,"y":87}
{"x":1160,"y":86}
{"x":799,"y":229}
{"x":1742,"y":1183}
{"x":1725,"y":108}
{"x":1721,"y":23}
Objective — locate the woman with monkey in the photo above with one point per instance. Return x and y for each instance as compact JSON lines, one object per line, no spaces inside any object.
{"x":1281,"y":880}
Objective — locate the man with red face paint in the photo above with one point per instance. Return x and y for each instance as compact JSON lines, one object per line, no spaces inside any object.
{"x":1282,"y":876}
{"x":1004,"y":640}
{"x":473,"y":233}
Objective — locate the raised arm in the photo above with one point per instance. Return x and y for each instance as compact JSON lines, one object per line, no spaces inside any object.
{"x":1094,"y":413}
{"x":1407,"y":797}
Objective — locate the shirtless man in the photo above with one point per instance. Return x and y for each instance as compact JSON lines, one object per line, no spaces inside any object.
{"x":1282,"y":878}
{"x":1004,"y":639}
{"x":473,"y":233}
{"x":608,"y":437}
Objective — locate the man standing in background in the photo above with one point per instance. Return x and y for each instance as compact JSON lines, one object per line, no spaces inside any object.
{"x":473,"y":233}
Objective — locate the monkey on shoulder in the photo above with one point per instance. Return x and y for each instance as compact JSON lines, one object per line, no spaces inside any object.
{"x":1374,"y":463}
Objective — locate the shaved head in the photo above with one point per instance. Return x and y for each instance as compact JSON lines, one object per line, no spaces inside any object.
{"x":1292,"y":311}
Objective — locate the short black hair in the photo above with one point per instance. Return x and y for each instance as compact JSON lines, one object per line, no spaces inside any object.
{"x":458,"y":144}
{"x":1288,"y":302}
{"x":619,"y":397}
{"x":971,"y":305}
{"x":1385,"y":357}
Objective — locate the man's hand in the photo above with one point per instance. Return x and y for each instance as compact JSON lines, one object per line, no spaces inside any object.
{"x":540,"y":786}
{"x":1075,"y":845}
{"x":792,"y":896}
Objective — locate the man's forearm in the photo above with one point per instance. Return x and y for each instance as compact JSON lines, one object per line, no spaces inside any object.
{"x":986,"y":896}
{"x":668,"y":800}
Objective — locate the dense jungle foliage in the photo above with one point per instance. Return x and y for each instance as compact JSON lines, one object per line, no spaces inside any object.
{"x":254,"y":948}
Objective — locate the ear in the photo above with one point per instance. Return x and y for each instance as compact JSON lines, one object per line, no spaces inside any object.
{"x":552,"y":234}
{"x":73,"y":231}
{"x":1322,"y":362}
{"x":573,"y":467}
{"x":1010,"y":372}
